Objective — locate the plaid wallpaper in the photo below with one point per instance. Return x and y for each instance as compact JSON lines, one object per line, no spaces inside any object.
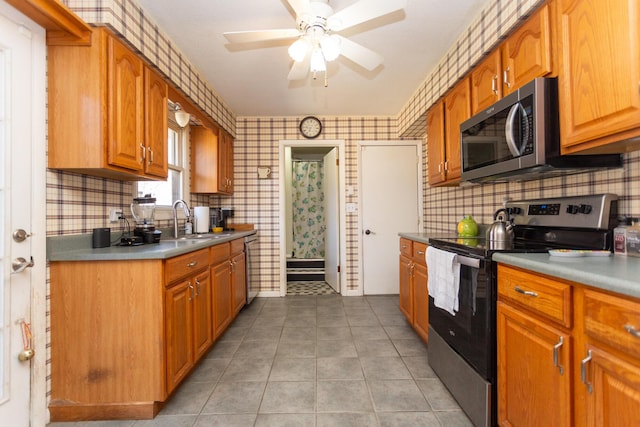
{"x":76,"y":204}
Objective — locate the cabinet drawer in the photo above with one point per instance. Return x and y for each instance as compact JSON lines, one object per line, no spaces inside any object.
{"x":186,"y":264}
{"x":419,"y":252}
{"x":612,"y":320}
{"x":406,"y":247}
{"x":237,"y":246}
{"x":542,"y":295}
{"x":219,"y":253}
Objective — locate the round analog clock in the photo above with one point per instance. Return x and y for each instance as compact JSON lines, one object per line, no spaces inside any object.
{"x":310,"y":127}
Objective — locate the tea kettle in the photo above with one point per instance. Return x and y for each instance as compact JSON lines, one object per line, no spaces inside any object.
{"x":501,"y":231}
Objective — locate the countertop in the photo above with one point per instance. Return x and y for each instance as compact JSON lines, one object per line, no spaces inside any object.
{"x":614,"y":273}
{"x":78,"y":248}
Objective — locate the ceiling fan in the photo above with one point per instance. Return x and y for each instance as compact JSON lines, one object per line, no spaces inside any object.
{"x":317,"y":39}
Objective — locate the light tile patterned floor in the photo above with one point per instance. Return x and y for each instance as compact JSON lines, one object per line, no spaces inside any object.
{"x":309,"y":287}
{"x":311,"y":361}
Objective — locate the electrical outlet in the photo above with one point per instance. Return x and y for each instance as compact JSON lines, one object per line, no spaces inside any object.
{"x":115,"y":214}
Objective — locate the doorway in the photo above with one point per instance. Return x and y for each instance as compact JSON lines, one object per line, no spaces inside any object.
{"x":390,"y":183}
{"x":313,"y":225}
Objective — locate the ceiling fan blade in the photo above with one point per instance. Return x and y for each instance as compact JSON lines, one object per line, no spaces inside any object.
{"x":300,"y":6}
{"x":299,"y":70}
{"x":261,"y":35}
{"x":362,"y":11}
{"x":359,"y":54}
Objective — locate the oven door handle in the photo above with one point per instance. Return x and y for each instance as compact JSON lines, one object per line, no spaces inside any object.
{"x":468,"y":261}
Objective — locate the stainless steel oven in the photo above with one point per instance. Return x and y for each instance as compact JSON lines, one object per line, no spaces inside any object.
{"x":251,"y":251}
{"x":462,"y":347}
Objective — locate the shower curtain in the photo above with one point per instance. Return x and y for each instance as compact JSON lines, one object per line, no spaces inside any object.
{"x":308,"y":209}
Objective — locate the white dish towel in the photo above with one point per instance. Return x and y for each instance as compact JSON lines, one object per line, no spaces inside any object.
{"x":444,"y":279}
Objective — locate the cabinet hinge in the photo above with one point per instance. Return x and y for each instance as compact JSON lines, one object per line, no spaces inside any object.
{"x":337,"y":162}
{"x":338,"y":269}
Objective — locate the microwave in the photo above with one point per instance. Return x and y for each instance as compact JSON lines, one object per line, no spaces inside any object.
{"x":518,"y":139}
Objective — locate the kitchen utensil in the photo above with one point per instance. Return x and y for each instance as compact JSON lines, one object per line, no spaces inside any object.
{"x":143,"y":209}
{"x":501,"y":231}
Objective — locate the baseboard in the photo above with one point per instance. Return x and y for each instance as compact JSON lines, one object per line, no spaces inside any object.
{"x":268,"y":294}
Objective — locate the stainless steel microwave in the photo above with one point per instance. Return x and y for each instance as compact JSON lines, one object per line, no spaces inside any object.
{"x":518,"y":138}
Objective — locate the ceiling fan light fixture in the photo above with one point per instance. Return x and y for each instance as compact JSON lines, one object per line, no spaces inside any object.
{"x":298,"y":50}
{"x":318,"y":63}
{"x":330,"y":46}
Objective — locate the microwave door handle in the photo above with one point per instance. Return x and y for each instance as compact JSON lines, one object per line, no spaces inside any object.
{"x":509,"y":131}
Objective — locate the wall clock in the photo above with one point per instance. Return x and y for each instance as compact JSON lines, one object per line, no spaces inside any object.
{"x":310,"y":127}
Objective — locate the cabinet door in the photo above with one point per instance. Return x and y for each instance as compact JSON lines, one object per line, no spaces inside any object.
{"x":615,"y":390}
{"x":202,"y":315}
{"x":179,"y":332}
{"x":221,"y":277}
{"x":486,"y":87}
{"x":204,"y":160}
{"x":526,"y":54}
{"x":435,"y":143}
{"x":406,"y":287}
{"x":156,"y":96}
{"x":225,"y":163}
{"x":420,"y":301}
{"x":457,"y":106}
{"x":532,"y":390}
{"x":125,"y":107}
{"x":239,"y":282}
{"x":599,"y":74}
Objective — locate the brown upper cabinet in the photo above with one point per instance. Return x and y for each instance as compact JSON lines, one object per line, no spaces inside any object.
{"x":211,"y":161}
{"x":107,"y":111}
{"x":523,"y":56}
{"x":599,"y":76}
{"x":443,"y":130}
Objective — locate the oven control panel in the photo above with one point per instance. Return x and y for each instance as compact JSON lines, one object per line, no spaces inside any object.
{"x":544,"y":209}
{"x":593,"y":212}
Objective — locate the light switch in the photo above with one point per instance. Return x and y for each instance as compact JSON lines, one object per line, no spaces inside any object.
{"x":351,"y":207}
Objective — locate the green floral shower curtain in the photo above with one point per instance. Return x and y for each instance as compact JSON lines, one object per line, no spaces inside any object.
{"x":308,"y":210}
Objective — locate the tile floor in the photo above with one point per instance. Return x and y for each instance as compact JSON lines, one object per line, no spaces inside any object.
{"x":322,"y":360}
{"x":309,"y":287}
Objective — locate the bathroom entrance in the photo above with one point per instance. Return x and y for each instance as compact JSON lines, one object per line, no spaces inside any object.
{"x":310,"y":217}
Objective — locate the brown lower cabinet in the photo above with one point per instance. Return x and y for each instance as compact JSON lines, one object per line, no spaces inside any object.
{"x":414,"y":296}
{"x":568,"y":354}
{"x":125,"y":333}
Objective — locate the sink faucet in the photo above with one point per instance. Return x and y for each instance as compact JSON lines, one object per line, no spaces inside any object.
{"x":175,"y":215}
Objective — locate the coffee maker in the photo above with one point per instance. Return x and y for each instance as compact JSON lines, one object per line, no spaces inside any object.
{"x":219,"y":217}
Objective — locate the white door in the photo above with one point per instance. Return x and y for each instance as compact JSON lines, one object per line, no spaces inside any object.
{"x":22,"y":99}
{"x":332,"y":213}
{"x":389,"y":205}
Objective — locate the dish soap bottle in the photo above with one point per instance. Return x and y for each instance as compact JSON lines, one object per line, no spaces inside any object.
{"x":467,"y":227}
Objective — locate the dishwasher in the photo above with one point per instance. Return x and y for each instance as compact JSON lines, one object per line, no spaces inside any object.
{"x":251,"y":251}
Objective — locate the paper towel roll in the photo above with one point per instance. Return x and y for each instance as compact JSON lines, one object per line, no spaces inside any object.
{"x":201,"y":219}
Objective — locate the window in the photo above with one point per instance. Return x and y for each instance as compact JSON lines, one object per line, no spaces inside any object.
{"x":166,"y":192}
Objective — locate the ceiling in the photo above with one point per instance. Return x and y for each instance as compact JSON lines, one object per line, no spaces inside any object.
{"x":252,"y":78}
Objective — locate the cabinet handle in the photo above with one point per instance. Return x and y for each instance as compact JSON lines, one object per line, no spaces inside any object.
{"x":192,"y":264}
{"x":440,"y":167}
{"x":446,"y":165}
{"x":583,"y":371}
{"x":143,"y":149}
{"x":230,"y":266}
{"x":150,"y":155}
{"x":519,"y":290}
{"x":420,"y":252}
{"x":505,"y":77}
{"x":633,"y":331}
{"x":494,"y":85}
{"x":556,"y":350}
{"x":192,"y":292}
{"x":198,"y":288}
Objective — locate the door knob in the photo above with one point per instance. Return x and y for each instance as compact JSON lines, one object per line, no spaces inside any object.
{"x":20,"y":235}
{"x":367,"y":232}
{"x":26,"y":354}
{"x":19,"y":264}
